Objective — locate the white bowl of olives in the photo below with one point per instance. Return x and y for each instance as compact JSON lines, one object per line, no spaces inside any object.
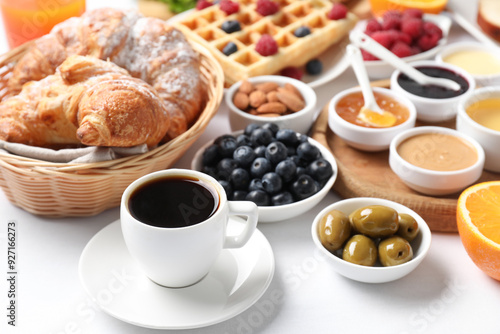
{"x":371,"y":240}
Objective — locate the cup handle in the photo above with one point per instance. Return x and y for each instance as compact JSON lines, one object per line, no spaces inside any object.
{"x":244,"y":208}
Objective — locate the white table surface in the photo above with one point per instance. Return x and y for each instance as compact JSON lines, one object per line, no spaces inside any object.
{"x":447,"y":293}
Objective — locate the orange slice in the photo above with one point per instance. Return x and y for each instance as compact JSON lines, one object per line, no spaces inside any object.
{"x":427,"y":6}
{"x":478,"y":222}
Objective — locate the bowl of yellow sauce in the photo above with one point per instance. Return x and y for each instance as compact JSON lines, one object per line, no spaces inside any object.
{"x":479,"y":117}
{"x":435,"y":160}
{"x":479,"y":60}
{"x":343,"y":120}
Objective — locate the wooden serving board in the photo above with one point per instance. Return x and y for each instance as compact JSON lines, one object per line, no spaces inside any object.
{"x":368,"y":174}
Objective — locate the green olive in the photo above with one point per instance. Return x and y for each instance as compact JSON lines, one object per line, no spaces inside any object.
{"x":375,"y":221}
{"x":361,"y":250}
{"x":394,"y":250}
{"x":408,"y":227}
{"x":334,"y":229}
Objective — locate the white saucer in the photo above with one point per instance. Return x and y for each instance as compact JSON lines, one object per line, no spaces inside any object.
{"x":114,"y":281}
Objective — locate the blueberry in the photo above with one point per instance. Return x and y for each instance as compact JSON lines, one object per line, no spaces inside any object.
{"x":229,"y":49}
{"x":298,"y":161}
{"x":240,"y":179}
{"x":290,"y":151}
{"x":272,"y":183}
{"x":228,"y":188}
{"x":261,"y":136}
{"x":249,"y":129}
{"x":320,"y":169}
{"x":300,"y":171}
{"x":288,"y":137}
{"x":302,"y":138}
{"x":255,"y":184}
{"x":259,"y":197}
{"x":286,"y":169}
{"x":210,"y":156}
{"x":239,"y":195}
{"x":276,"y":152}
{"x":273,"y":127}
{"x":210,"y":170}
{"x":308,"y":152}
{"x":231,"y":26}
{"x":282,"y":198}
{"x":314,"y":67}
{"x":260,"y":166}
{"x":304,"y":187}
{"x":260,"y":151}
{"x":225,"y":167}
{"x":243,"y":140}
{"x":244,"y":155}
{"x":226,"y":146}
{"x":302,"y":31}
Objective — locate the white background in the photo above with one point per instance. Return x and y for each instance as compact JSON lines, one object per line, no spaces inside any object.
{"x":446,"y":294}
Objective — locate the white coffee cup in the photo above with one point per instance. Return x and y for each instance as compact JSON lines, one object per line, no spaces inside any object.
{"x":182,"y":256}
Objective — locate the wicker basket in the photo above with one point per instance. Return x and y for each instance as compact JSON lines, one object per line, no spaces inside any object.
{"x":70,"y":190}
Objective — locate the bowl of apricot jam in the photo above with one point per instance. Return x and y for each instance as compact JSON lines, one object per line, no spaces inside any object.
{"x":343,"y":119}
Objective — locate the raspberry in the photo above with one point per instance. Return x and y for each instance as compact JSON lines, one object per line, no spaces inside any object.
{"x":401,"y":49}
{"x":386,"y":38}
{"x":338,"y":12}
{"x":412,"y":12}
{"x":427,"y":42}
{"x":372,"y":25}
{"x":413,"y":27}
{"x":368,"y":56}
{"x":292,"y":72}
{"x":229,"y":7}
{"x":391,"y":13}
{"x":202,"y":4}
{"x":403,"y":37}
{"x":391,"y":22}
{"x":266,"y":46}
{"x":415,"y":50}
{"x":267,"y":7}
{"x":431,"y":28}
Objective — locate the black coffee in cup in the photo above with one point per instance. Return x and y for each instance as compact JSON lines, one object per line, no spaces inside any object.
{"x":172,"y":202}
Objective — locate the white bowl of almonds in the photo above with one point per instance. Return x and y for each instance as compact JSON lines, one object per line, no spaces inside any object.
{"x":287,"y":102}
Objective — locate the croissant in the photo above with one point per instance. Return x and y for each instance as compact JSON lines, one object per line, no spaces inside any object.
{"x":147,"y":48}
{"x":87,"y":101}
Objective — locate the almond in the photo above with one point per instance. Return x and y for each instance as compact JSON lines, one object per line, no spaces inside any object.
{"x":290,"y":100}
{"x":272,"y":107}
{"x":267,"y":87}
{"x":271,"y":97}
{"x":246,"y":87}
{"x":257,"y":98}
{"x":293,"y":89}
{"x":241,"y":100}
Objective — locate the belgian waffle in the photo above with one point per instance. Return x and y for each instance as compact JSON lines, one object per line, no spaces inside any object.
{"x":204,"y":27}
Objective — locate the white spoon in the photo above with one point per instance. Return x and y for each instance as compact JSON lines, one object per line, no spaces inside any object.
{"x":370,"y":113}
{"x":365,"y":42}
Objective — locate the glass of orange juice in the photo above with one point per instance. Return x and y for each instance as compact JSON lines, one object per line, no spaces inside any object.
{"x":25,"y":20}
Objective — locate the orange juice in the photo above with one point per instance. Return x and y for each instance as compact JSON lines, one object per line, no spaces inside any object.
{"x":25,"y":20}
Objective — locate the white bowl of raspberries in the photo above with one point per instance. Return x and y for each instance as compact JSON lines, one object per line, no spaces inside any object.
{"x":284,"y":172}
{"x":409,"y":34}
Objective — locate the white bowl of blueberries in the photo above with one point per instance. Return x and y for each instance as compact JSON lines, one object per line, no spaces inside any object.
{"x":284,"y":172}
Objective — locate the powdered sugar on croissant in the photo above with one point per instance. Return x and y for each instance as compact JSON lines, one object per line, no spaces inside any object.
{"x":148,"y":48}
{"x":87,"y":101}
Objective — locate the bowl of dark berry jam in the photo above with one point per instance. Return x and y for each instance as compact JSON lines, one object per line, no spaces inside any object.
{"x":434,"y":103}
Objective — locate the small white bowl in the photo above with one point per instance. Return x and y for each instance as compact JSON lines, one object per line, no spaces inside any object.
{"x":488,"y":138}
{"x":368,"y":139}
{"x":379,"y":69}
{"x":420,"y":244}
{"x":429,"y":109}
{"x":431,"y":182}
{"x":481,"y":79}
{"x":300,"y":121}
{"x":270,"y":214}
